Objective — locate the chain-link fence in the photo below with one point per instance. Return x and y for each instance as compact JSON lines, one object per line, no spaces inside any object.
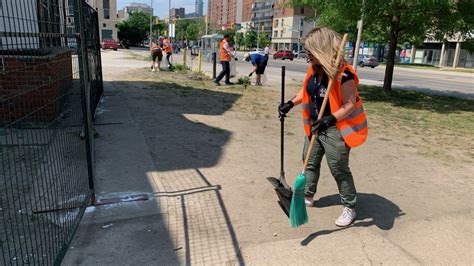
{"x":50,"y":85}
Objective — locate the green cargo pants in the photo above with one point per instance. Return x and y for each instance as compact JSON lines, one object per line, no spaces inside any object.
{"x":337,"y":156}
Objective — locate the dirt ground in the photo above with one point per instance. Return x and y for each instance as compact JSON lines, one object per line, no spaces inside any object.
{"x":413,"y":207}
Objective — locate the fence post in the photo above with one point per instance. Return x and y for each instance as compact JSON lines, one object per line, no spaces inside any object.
{"x":199,"y":61}
{"x":85,"y":91}
{"x":214,"y":62}
{"x":184,"y":57}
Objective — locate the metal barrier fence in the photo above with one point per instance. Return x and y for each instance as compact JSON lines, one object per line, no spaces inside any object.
{"x":50,"y":85}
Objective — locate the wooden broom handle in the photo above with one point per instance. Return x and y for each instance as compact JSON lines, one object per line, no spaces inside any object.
{"x":326,"y":97}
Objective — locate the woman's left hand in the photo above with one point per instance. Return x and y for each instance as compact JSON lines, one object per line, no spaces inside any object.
{"x":323,"y":124}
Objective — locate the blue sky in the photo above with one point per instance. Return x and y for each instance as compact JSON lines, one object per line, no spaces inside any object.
{"x":160,"y":7}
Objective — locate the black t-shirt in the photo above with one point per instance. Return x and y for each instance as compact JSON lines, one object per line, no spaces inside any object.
{"x":317,"y":89}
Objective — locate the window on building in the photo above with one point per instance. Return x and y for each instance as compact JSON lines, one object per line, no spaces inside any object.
{"x":106,"y":4}
{"x":105,"y":25}
{"x":282,"y":22}
{"x":106,"y":13}
{"x":302,"y":10}
{"x":301,"y":34}
{"x":281,"y":34}
{"x":302,"y":22}
{"x":116,"y":26}
{"x":275,"y":33}
{"x":107,"y":34}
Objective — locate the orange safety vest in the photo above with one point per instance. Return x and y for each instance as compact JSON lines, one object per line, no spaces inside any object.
{"x":167,"y":46}
{"x":353,"y":128}
{"x":224,"y":56}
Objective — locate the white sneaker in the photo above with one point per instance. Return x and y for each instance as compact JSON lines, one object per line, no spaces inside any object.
{"x":348,"y":216}
{"x":309,"y":201}
{"x":153,"y":70}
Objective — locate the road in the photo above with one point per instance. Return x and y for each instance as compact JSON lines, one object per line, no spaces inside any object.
{"x":431,"y":81}
{"x":447,"y":83}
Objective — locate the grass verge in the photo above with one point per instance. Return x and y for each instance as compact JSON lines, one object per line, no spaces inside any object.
{"x":440,"y":126}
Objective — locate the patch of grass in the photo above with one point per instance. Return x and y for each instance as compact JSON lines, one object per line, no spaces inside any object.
{"x":180,"y":68}
{"x":438,"y":123}
{"x":243,"y":81}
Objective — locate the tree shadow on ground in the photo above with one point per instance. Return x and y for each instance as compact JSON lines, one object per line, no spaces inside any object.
{"x":372,"y":210}
{"x":175,"y":141}
{"x":419,"y":100}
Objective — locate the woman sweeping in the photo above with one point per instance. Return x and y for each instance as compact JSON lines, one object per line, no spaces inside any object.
{"x":343,"y":124}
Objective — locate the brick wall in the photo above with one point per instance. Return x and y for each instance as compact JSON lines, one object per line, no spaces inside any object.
{"x":33,"y":87}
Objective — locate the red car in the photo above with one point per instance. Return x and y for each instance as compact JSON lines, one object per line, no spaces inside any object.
{"x":284,"y":55}
{"x":109,"y":43}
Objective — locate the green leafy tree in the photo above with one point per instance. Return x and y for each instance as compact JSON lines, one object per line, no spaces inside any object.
{"x":240,"y":39}
{"x":394,"y":21}
{"x":250,"y":39}
{"x":135,"y":29}
{"x":263,"y":39}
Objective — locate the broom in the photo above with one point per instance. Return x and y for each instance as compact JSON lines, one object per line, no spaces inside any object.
{"x":298,"y":214}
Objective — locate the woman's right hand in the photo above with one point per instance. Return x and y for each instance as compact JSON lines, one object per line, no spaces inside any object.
{"x":284,"y":108}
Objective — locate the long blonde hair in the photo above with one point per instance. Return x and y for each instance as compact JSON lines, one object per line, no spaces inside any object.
{"x":323,"y":43}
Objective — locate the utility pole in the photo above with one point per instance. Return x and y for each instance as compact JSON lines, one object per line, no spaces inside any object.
{"x":359,"y":35}
{"x":169,"y":19}
{"x":299,"y":37}
{"x":151,"y":23}
{"x":258,"y":36}
{"x":208,"y":16}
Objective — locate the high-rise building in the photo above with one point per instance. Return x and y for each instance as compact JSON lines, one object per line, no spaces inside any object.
{"x":289,"y":26}
{"x":107,"y":12}
{"x":222,"y":14}
{"x":198,"y":8}
{"x":177,"y":13}
{"x":136,"y":7}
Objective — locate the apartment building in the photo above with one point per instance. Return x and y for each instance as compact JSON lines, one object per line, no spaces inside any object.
{"x":262,"y":12}
{"x":222,"y":14}
{"x":289,"y":26}
{"x":135,"y":7}
{"x":107,"y":12}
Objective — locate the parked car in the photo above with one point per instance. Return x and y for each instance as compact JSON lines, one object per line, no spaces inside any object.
{"x":365,"y":60}
{"x":302,"y":54}
{"x":284,"y":55}
{"x":109,"y":43}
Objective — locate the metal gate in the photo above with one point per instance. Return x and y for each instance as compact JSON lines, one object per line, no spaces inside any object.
{"x":50,"y":85}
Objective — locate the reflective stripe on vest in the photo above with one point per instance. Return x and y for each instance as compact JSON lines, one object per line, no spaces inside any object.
{"x":356,"y":112}
{"x":353,"y":128}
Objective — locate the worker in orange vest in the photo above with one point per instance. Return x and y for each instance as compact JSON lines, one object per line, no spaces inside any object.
{"x":225,"y":56}
{"x":155,"y":52}
{"x":343,"y":125}
{"x":168,"y":50}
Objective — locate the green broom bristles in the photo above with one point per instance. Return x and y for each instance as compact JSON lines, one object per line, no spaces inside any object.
{"x":298,"y":214}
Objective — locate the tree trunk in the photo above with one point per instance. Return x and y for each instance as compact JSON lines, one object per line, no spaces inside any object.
{"x":387,"y":82}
